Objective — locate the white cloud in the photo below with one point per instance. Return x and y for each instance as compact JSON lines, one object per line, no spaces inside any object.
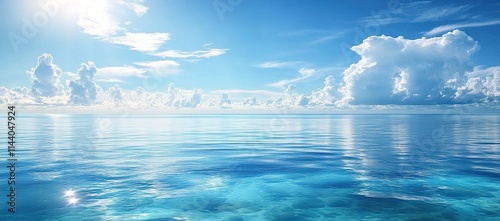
{"x":143,"y":42}
{"x":238,"y":95}
{"x":450,"y":27}
{"x":391,"y":71}
{"x":171,"y":94}
{"x":403,"y":71}
{"x":305,"y":73}
{"x":83,"y":88}
{"x":282,"y":64}
{"x":113,"y":74}
{"x":438,"y":13}
{"x":250,"y":101}
{"x":96,"y":20}
{"x":116,"y":94}
{"x":417,"y":11}
{"x":483,"y":85}
{"x":292,"y":98}
{"x":176,"y":97}
{"x":161,"y":67}
{"x":136,"y":5}
{"x":192,"y":100}
{"x":4,"y":91}
{"x":116,"y":74}
{"x":109,"y":80}
{"x":46,"y":78}
{"x":224,"y":101}
{"x":208,"y":53}
{"x":327,"y":95}
{"x":290,"y":89}
{"x":328,"y":37}
{"x":17,"y":96}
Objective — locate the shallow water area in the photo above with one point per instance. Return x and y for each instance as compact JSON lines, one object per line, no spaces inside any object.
{"x":258,"y":167}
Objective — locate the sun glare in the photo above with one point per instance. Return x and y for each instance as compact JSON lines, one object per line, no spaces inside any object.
{"x":86,"y":6}
{"x":92,"y":15}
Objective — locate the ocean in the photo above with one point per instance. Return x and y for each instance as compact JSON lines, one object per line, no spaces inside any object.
{"x":255,"y":167}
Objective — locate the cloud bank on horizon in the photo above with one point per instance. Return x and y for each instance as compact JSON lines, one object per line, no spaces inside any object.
{"x":139,"y":53}
{"x":391,"y":70}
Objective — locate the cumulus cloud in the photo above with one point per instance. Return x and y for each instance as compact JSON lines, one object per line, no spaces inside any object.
{"x":83,"y":88}
{"x":483,"y":85}
{"x":46,"y":79}
{"x":171,"y":94}
{"x":193,"y":100}
{"x":20,"y":95}
{"x":3,"y":91}
{"x":249,"y":101}
{"x":176,"y":97}
{"x":142,"y":98}
{"x":294,"y":99}
{"x":327,"y":95}
{"x":290,"y":90}
{"x":274,"y":102}
{"x":391,"y":70}
{"x":224,"y":100}
{"x":403,"y":71}
{"x":116,"y":94}
{"x":302,"y":100}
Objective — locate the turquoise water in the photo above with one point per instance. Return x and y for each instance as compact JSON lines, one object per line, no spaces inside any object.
{"x":257,"y":167}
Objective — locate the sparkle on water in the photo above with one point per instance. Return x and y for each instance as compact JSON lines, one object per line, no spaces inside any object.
{"x":69,"y":193}
{"x":72,"y":200}
{"x":71,"y":197}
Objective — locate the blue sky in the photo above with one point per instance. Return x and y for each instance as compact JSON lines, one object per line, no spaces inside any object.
{"x":255,"y":48}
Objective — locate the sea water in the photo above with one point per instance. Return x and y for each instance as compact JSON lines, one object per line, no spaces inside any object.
{"x":256,"y":167}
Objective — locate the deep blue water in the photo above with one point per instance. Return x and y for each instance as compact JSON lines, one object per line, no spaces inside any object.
{"x":257,"y":167}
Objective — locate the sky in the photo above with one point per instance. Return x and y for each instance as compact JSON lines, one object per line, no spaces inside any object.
{"x":242,"y":53}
